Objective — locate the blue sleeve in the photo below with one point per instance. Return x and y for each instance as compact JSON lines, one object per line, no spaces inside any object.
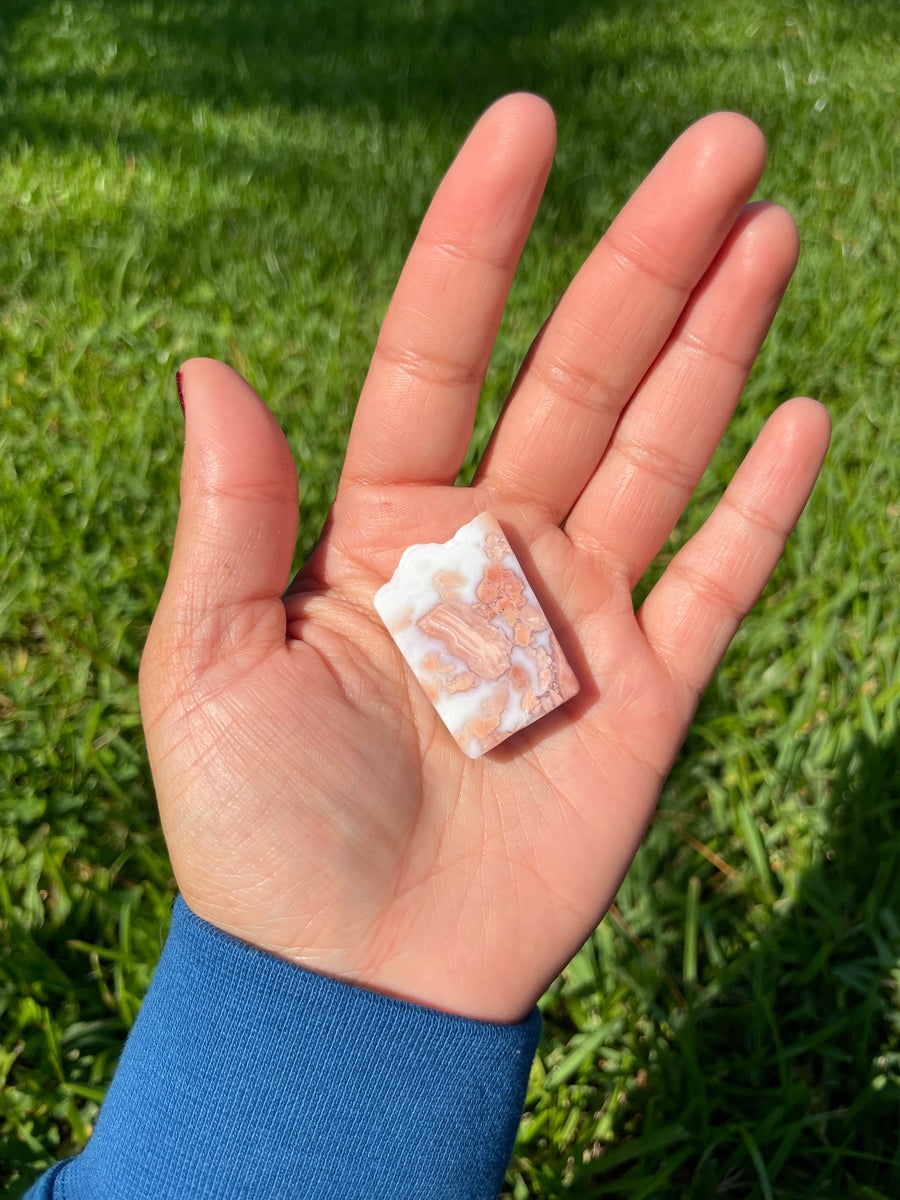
{"x":246,"y":1077}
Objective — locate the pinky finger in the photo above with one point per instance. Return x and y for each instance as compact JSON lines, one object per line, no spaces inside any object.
{"x":711,"y":584}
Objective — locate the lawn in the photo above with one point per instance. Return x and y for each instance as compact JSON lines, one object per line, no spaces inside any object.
{"x":243,"y":178}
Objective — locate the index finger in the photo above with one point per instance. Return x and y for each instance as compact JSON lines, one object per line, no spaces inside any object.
{"x":417,"y":408}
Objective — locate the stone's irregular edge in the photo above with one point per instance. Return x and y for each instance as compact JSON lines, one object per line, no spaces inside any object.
{"x":470,"y":627}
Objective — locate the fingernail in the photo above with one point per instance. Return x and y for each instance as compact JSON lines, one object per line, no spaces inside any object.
{"x":179,"y":383}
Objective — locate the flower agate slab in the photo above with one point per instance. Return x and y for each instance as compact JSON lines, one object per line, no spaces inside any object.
{"x":474,"y":635}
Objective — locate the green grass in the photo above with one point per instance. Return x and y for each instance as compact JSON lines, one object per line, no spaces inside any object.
{"x":243,"y":180}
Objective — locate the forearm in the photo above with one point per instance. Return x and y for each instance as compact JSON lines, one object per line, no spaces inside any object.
{"x":248,"y":1077}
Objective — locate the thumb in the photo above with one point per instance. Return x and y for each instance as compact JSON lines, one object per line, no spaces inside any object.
{"x":237,"y":525}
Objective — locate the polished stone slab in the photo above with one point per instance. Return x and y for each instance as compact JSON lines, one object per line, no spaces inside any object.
{"x":472,"y":631}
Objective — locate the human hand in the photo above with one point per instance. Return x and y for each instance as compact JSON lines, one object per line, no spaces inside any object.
{"x":313,"y":803}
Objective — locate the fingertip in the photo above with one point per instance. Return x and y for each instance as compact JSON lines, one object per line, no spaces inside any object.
{"x":806,"y":421}
{"x":528,"y":105}
{"x":200,"y":373}
{"x":215,"y":388}
{"x":768,"y":229}
{"x":521,"y":114}
{"x":787,"y":456}
{"x":731,"y":126}
{"x":728,"y":134}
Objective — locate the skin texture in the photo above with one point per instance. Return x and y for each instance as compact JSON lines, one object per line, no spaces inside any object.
{"x":312,"y":801}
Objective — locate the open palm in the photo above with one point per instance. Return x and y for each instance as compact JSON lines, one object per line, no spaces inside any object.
{"x":313,"y":802}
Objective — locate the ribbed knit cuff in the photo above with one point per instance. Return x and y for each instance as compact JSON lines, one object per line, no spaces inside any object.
{"x":246,"y":1077}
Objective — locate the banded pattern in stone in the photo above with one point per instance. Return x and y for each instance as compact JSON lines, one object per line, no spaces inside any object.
{"x":474,"y":635}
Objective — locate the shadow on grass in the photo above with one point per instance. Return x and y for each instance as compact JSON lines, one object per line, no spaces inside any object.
{"x":143,"y":76}
{"x":145,"y":72}
{"x":404,"y":61}
{"x":786,"y":1072}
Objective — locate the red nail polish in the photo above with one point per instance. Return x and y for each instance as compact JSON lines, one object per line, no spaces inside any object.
{"x":179,"y":383}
